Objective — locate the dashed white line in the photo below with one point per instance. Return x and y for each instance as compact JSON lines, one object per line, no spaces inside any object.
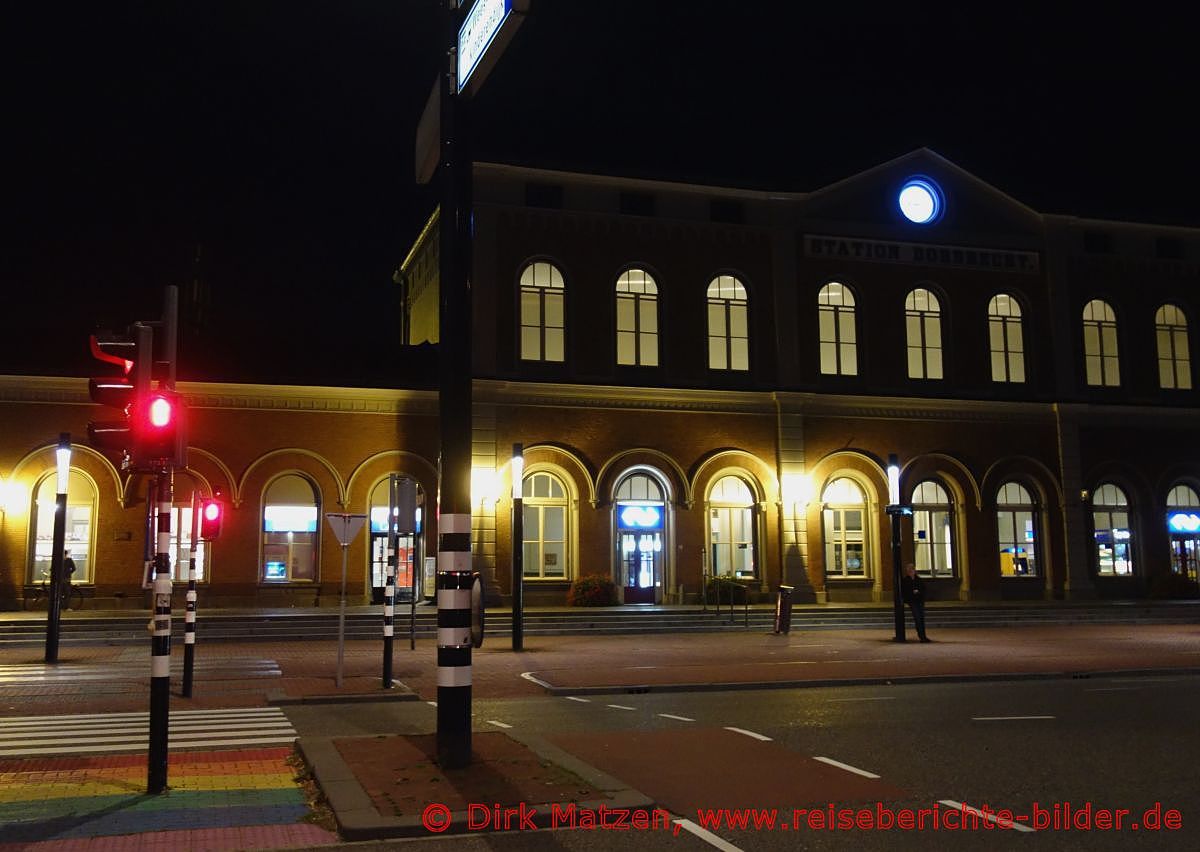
{"x":1114,"y":689}
{"x":846,"y":766}
{"x":749,"y":734}
{"x":498,"y":724}
{"x":580,"y":700}
{"x":959,"y":806}
{"x":620,"y":707}
{"x":1005,"y":718}
{"x":707,"y":836}
{"x":875,"y":698}
{"x":679,"y":718}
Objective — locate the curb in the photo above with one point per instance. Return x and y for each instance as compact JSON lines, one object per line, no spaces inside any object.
{"x":401,"y":693}
{"x":357,"y":818}
{"x":898,"y":680}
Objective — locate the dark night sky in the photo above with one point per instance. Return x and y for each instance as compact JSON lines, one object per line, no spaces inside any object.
{"x":278,"y":137}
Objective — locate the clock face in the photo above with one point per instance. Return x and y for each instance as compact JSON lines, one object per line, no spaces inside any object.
{"x":920,"y":201}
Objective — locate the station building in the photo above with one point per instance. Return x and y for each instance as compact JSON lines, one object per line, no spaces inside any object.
{"x":708,"y":382}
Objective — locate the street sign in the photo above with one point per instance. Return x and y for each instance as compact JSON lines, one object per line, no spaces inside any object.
{"x":429,"y":135}
{"x":485,"y":33}
{"x":477,"y":612}
{"x":345,"y":527}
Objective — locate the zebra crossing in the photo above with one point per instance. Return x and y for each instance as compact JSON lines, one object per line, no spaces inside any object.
{"x":112,"y":733}
{"x":44,"y":674}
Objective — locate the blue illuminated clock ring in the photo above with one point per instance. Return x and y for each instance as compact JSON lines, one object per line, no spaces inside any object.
{"x":920,"y":201}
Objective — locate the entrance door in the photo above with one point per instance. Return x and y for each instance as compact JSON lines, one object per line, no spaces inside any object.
{"x":1185,"y":551}
{"x":641,"y":559}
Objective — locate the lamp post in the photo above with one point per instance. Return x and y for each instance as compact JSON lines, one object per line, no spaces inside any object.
{"x":63,"y":461}
{"x":518,"y":549}
{"x":896,"y":510}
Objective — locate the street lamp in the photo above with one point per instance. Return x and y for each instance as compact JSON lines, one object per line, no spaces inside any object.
{"x":896,"y":510}
{"x":518,"y":549}
{"x":63,"y":460}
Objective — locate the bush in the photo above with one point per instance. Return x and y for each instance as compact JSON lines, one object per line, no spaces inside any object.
{"x":593,"y":590}
{"x":1173,"y":587}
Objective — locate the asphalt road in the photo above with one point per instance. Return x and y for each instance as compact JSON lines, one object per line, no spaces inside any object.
{"x":1112,"y":744}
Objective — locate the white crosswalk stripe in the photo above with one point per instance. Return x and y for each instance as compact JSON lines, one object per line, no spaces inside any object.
{"x":29,"y":674}
{"x":107,"y":733}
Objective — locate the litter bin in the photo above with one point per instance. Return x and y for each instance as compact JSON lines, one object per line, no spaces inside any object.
{"x":783,"y":609}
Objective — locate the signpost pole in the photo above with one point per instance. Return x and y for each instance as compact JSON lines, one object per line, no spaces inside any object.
{"x":345,"y":527}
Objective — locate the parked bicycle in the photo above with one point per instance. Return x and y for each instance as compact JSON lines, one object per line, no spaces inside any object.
{"x":72,"y":595}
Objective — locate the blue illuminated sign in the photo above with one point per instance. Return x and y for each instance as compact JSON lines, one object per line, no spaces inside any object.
{"x":631,"y":517}
{"x":920,"y":201}
{"x":1185,"y":522}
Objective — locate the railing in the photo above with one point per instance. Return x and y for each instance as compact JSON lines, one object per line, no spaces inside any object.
{"x":731,"y":585}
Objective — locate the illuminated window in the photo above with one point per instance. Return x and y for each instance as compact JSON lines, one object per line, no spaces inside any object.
{"x":637,"y":319}
{"x":1183,"y":526}
{"x":1016,"y":527}
{"x":843,"y":519}
{"x":923,"y":325}
{"x":728,"y":325}
{"x":1100,"y":345}
{"x":933,"y":530}
{"x":731,"y":528}
{"x":290,"y":529}
{"x":542,"y":314}
{"x":81,"y":516}
{"x":181,"y":543}
{"x":1005,"y":339}
{"x":405,"y":548}
{"x":1174,"y":360}
{"x":545,"y":515}
{"x":839,"y":348}
{"x":1114,"y":537}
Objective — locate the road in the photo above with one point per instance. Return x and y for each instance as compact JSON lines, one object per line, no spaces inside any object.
{"x":1111,"y":743}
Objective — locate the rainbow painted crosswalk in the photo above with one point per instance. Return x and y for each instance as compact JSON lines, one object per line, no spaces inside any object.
{"x":217,"y":800}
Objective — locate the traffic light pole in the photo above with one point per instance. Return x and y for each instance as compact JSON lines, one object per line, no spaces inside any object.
{"x":454,"y":575}
{"x":189,"y":626}
{"x":161,"y":490}
{"x":389,"y":587}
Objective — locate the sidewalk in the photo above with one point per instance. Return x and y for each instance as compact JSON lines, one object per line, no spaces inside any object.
{"x":70,"y":799}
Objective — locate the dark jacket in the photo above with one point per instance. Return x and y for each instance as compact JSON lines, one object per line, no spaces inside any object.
{"x":912,"y":589}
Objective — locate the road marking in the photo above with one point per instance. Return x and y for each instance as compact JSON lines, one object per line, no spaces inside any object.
{"x":707,"y":836}
{"x":620,"y":707}
{"x":431,"y":703}
{"x":1113,"y":689}
{"x":846,"y":766}
{"x":679,"y":718}
{"x":1005,"y":718}
{"x":959,"y":806}
{"x":529,"y":677}
{"x":580,"y":700}
{"x":748,"y":734}
{"x":877,"y":698}
{"x":498,"y":724}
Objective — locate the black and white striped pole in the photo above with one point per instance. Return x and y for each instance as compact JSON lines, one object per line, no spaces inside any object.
{"x":189,"y":617}
{"x":455,"y":580}
{"x":389,"y":589}
{"x":161,"y":490}
{"x":518,"y":548}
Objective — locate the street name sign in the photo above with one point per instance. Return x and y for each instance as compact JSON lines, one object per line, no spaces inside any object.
{"x":485,"y":33}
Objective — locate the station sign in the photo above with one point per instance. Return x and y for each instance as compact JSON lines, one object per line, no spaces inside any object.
{"x":485,"y":33}
{"x":632,"y":516}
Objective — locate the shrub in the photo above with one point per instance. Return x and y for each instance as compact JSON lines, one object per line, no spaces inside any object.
{"x":593,"y":590}
{"x":721,"y":588}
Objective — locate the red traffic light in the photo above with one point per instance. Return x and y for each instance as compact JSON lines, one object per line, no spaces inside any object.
{"x":160,"y":412}
{"x":212,"y":512}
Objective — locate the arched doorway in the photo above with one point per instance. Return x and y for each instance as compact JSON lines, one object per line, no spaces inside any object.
{"x":1183,"y":528}
{"x":80,"y":528}
{"x":640,"y":520}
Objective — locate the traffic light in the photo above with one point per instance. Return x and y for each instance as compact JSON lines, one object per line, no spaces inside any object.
{"x":131,"y":353}
{"x":158,"y":418}
{"x":212,"y":512}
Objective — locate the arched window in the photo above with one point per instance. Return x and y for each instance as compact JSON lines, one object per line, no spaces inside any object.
{"x":1174,"y":360}
{"x":728,"y":325}
{"x":1100,"y":345}
{"x":1114,"y":537}
{"x":181,"y":541}
{"x":844,"y":530}
{"x":1005,"y":339}
{"x":80,"y":529}
{"x":1016,"y":528}
{"x":923,"y":326}
{"x":405,"y":544}
{"x":545,"y":514}
{"x":637,"y":319}
{"x":640,"y":520}
{"x":838,"y":337}
{"x":542,"y":316}
{"x":1183,"y":528}
{"x":731,"y":528}
{"x":291,"y":516}
{"x":933,"y":530}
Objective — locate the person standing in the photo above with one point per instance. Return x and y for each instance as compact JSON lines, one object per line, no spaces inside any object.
{"x":912,"y":592}
{"x":68,"y":566}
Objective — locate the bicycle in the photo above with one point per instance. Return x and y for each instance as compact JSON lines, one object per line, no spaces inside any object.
{"x":72,"y":595}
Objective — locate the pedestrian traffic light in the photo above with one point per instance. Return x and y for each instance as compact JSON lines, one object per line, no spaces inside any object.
{"x":212,"y":512}
{"x":131,"y":353}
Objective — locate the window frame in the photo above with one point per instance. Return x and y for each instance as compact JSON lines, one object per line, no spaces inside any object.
{"x":740,"y":299}
{"x":1175,"y":336}
{"x":539,"y":505}
{"x":926,"y":319}
{"x":936,"y":549}
{"x":717,"y":508}
{"x":1108,"y":364}
{"x":1002,"y":326}
{"x":1014,"y":509}
{"x":86,"y":576}
{"x":555,"y":286}
{"x":1108,"y":512}
{"x":833,"y":508}
{"x":837,"y":314}
{"x":642,"y":302}
{"x":264,"y":543}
